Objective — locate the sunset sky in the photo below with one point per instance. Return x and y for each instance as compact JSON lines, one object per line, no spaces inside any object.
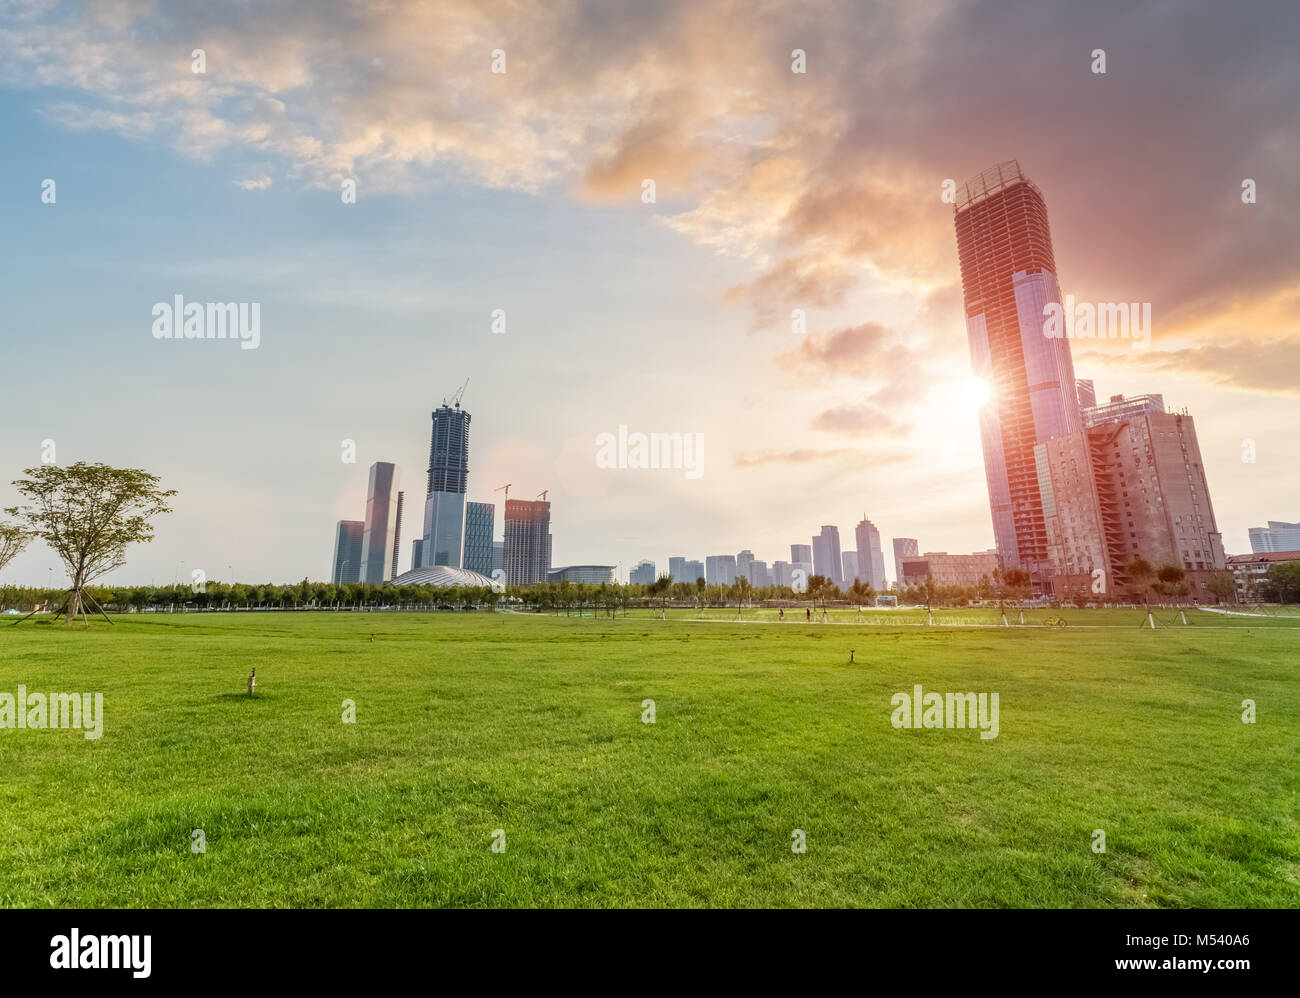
{"x":522,"y":191}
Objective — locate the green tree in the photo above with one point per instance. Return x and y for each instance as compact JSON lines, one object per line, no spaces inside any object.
{"x":13,"y":539}
{"x":89,"y":513}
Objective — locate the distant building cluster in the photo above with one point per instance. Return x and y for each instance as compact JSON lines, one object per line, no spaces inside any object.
{"x":457,"y":544}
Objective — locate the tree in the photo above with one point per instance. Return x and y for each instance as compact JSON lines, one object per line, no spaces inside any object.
{"x":89,"y":513}
{"x":1141,"y":575}
{"x":1224,"y":586}
{"x":13,"y":539}
{"x":1171,"y":580}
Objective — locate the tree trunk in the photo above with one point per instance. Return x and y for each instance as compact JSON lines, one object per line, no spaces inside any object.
{"x":74,"y":603}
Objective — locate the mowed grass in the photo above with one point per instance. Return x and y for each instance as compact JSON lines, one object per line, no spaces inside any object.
{"x":466,"y":723}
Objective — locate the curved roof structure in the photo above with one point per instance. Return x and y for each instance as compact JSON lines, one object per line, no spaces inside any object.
{"x":441,"y":575}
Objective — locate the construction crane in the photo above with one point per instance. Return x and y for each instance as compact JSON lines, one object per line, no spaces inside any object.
{"x":455,"y":399}
{"x":506,"y":487}
{"x":542,"y":495}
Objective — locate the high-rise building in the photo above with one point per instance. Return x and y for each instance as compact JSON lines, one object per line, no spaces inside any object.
{"x":347,"y":551}
{"x":850,"y":559}
{"x":1133,"y":487}
{"x":801,"y":553}
{"x":527,"y":552}
{"x":743,"y":560}
{"x":498,"y":556}
{"x":444,"y":504}
{"x":720,"y":569}
{"x":1086,"y":392}
{"x":826,"y":554}
{"x":397,"y":533}
{"x":643,"y":574}
{"x":380,"y":534}
{"x":759,"y":576}
{"x":781,"y":574}
{"x":871,"y":557}
{"x":1277,"y":536}
{"x":677,"y":570}
{"x":1008,"y":275}
{"x":480,"y":525}
{"x":693,"y":571}
{"x":904,"y":547}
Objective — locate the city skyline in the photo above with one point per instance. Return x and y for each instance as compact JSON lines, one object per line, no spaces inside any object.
{"x":819,"y":192}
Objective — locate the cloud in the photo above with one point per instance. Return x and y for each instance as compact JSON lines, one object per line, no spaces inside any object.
{"x":253,"y":183}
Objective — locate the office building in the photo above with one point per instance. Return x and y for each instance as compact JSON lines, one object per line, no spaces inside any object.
{"x":444,"y":504}
{"x":801,"y":553}
{"x":380,"y":532}
{"x":347,"y":551}
{"x":527,"y":552}
{"x":589,"y":574}
{"x":677,"y":569}
{"x":826,"y":555}
{"x":694,"y":571}
{"x":498,"y":556}
{"x":904,"y":547}
{"x":397,"y":534}
{"x":759,"y":576}
{"x":1008,"y":275}
{"x":1086,"y":392}
{"x":480,"y":525}
{"x":945,"y":569}
{"x":720,"y":569}
{"x":1277,"y":536}
{"x":871,"y":556}
{"x":743,"y":560}
{"x":643,"y":574}
{"x":850,"y":560}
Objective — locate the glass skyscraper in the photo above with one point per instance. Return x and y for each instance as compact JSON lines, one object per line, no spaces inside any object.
{"x":480,"y":523}
{"x":444,"y":505}
{"x":379,"y":537}
{"x":1008,"y":275}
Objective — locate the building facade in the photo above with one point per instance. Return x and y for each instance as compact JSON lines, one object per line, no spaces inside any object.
{"x":448,"y":478}
{"x":720,"y":569}
{"x":347,"y":551}
{"x":826,"y":554}
{"x":945,"y":569}
{"x":1008,"y":274}
{"x":694,"y":571}
{"x":643,"y":574}
{"x":904,"y":547}
{"x":1250,"y":571}
{"x":850,"y":561}
{"x":380,"y":532}
{"x":590,"y":574}
{"x":871,"y":557}
{"x":801,"y":553}
{"x":1277,"y":536}
{"x":480,"y":525}
{"x":1133,"y":487}
{"x":527,"y":551}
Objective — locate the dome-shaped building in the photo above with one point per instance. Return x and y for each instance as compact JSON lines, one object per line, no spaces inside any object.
{"x":442,"y":576}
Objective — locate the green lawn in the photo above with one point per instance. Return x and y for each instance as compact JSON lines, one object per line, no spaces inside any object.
{"x":466,"y":723}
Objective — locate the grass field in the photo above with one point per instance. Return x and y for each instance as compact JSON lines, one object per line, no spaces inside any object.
{"x":467,"y":723}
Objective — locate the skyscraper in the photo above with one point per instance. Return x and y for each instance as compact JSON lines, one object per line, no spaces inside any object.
{"x":743,"y":560}
{"x":871,"y":558}
{"x":643,"y":574}
{"x":527,"y":550}
{"x":720,"y":569}
{"x":379,"y":535}
{"x":1277,"y":536}
{"x":851,"y":573}
{"x":480,"y":525}
{"x":693,"y":571}
{"x":826,"y":554}
{"x":677,"y":569}
{"x":397,"y":534}
{"x":347,"y":551}
{"x":1008,"y":275}
{"x":801,"y":553}
{"x":444,"y":504}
